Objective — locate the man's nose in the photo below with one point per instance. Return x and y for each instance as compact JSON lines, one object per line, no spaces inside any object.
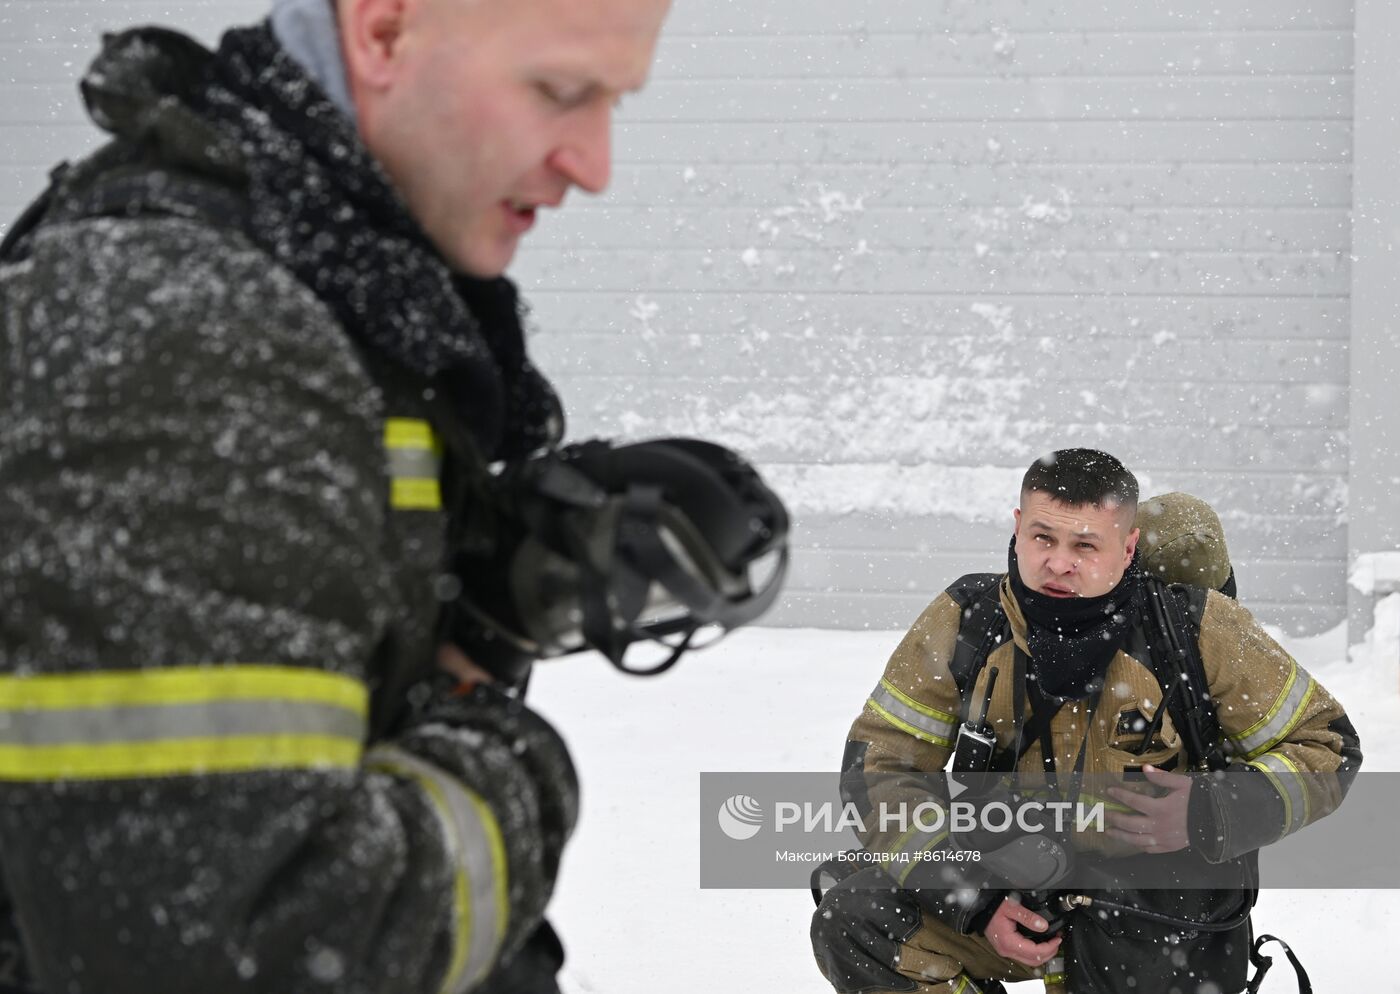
{"x":1061,"y":563}
{"x":585,"y":156}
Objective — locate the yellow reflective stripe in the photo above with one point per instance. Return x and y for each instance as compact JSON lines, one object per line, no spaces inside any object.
{"x":1286,"y":780}
{"x":413,"y":493}
{"x":903,"y":840}
{"x":1091,"y":799}
{"x":904,"y":726}
{"x":923,"y":709}
{"x":461,"y":892}
{"x":1297,"y":778}
{"x":180,"y":720}
{"x":928,"y":839}
{"x":176,"y":757}
{"x":900,"y":844}
{"x":1269,"y":715}
{"x":477,"y":852}
{"x":905,"y":713}
{"x":1275,"y":725}
{"x":410,"y":433}
{"x":416,"y":488}
{"x":915,"y":839}
{"x":182,"y":685}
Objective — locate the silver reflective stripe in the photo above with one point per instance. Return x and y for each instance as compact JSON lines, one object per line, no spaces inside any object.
{"x":475,"y":849}
{"x":1284,"y":776}
{"x":179,"y":720}
{"x":160,"y":722}
{"x":916,"y":841}
{"x":414,"y":464}
{"x":1285,"y":716}
{"x":901,"y":714}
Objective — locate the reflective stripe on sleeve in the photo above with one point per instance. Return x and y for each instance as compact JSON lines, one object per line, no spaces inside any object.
{"x":479,"y":902}
{"x":176,"y":721}
{"x":1274,"y":727}
{"x":1284,"y":776}
{"x":913,"y":843}
{"x":908,"y":715}
{"x":415,"y":463}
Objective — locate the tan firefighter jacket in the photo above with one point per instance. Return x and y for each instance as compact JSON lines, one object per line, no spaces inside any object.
{"x":1277,"y":721}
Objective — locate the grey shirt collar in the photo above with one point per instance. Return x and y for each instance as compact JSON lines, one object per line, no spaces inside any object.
{"x":307,"y":30}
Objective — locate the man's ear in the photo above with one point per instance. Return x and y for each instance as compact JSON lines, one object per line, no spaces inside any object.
{"x":1132,"y":544}
{"x":369,"y":40}
{"x":1016,"y":518}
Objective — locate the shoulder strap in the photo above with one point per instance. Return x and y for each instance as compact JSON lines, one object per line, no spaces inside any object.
{"x":982,"y":629}
{"x":1174,"y":624}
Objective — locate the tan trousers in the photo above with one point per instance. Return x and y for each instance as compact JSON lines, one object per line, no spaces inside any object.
{"x":942,"y":961}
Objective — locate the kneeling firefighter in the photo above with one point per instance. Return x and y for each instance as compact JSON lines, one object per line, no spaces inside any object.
{"x":1056,"y":672}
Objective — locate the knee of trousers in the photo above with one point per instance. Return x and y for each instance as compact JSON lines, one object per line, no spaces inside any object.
{"x":858,"y":929}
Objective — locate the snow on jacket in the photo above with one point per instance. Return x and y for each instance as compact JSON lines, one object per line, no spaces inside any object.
{"x":224,"y":519}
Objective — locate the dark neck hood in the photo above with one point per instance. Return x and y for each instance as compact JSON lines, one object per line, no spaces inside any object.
{"x":247,"y":118}
{"x":1072,"y":640}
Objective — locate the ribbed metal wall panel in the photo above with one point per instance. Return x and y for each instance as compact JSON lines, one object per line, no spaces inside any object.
{"x":894,"y":250}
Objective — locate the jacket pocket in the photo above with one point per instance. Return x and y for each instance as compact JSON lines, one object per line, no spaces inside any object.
{"x":1136,"y":740}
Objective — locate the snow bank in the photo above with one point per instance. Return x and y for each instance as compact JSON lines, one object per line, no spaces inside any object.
{"x":1376,"y":572}
{"x":629,"y":905}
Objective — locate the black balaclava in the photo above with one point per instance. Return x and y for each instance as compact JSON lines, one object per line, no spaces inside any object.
{"x":1072,"y":639}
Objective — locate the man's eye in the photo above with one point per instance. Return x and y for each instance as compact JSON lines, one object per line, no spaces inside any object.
{"x":561,"y":94}
{"x":1087,"y":545}
{"x":1043,"y":538}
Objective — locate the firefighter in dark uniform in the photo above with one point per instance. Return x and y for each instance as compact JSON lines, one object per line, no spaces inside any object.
{"x":253,"y":354}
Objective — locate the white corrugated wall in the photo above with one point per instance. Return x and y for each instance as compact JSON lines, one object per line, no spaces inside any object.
{"x":893,"y":250}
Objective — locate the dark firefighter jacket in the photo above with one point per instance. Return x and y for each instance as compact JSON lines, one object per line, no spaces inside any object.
{"x":224,"y":517}
{"x":1276,"y":719}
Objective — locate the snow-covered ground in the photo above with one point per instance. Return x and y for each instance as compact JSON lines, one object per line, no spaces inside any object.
{"x":630,"y":908}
